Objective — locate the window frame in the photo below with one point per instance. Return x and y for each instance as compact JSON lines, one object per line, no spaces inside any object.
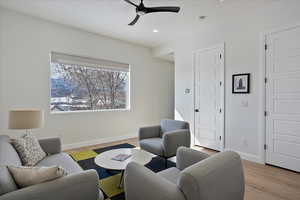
{"x":128,"y":97}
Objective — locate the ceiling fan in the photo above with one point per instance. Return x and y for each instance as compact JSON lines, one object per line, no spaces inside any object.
{"x":142,"y":10}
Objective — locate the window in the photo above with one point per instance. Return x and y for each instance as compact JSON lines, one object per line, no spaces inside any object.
{"x":87,"y":84}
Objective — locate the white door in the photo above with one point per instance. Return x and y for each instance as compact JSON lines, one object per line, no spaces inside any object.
{"x":209,"y":97}
{"x":283,"y":99}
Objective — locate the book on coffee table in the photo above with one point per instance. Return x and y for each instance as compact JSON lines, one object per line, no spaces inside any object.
{"x":121,"y":157}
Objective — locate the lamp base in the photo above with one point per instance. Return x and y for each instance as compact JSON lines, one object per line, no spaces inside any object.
{"x":27,"y":132}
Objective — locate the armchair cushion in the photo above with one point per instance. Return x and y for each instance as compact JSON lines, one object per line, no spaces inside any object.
{"x":170,"y":174}
{"x":174,"y":139}
{"x":168,"y":125}
{"x":153,"y":145}
{"x":149,"y":132}
{"x":186,"y":157}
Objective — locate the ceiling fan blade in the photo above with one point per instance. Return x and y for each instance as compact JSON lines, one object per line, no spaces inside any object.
{"x":131,"y":3}
{"x":162,"y":9}
{"x":134,"y":21}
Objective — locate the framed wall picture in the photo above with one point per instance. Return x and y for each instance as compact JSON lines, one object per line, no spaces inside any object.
{"x":241,"y":83}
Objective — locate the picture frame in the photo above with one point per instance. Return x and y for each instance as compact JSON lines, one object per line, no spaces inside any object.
{"x":241,"y":83}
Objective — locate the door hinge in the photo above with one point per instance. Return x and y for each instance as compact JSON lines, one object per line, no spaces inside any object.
{"x":220,"y":56}
{"x":266,"y":47}
{"x":265,"y":147}
{"x":266,"y":79}
{"x":220,"y":137}
{"x":220,"y":110}
{"x":220,"y":83}
{"x":266,"y":113}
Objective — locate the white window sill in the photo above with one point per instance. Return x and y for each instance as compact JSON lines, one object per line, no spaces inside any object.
{"x":89,"y":111}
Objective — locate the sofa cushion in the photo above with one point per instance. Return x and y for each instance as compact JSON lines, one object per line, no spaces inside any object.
{"x":8,"y":156}
{"x":171,"y":174}
{"x":63,"y":160}
{"x":7,"y":183}
{"x":29,"y":149}
{"x":153,"y":145}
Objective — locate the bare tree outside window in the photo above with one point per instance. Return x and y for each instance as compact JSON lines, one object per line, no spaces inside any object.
{"x":77,"y":88}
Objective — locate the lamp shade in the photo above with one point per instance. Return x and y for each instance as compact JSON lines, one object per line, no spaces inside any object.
{"x":26,"y":119}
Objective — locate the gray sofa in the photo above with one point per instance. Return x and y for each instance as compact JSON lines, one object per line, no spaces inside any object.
{"x":164,"y":140}
{"x":196,"y":177}
{"x":77,"y":185}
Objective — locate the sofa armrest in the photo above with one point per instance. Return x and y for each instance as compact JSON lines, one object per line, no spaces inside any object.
{"x":143,"y":184}
{"x":51,"y":145}
{"x":149,"y":132}
{"x":186,"y":157}
{"x":83,"y":185}
{"x":174,"y":139}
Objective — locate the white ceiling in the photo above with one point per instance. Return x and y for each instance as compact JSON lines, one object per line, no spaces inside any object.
{"x":110,"y":17}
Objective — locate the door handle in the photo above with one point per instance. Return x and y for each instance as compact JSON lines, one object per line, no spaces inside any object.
{"x":197,"y":110}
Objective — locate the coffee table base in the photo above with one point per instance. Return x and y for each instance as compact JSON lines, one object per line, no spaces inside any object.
{"x":121,"y":179}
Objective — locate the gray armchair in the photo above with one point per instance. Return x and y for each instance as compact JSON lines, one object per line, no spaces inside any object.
{"x":196,"y":177}
{"x":165,"y":139}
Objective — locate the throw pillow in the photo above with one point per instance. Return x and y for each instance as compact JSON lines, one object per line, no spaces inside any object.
{"x":29,"y":149}
{"x":27,"y":176}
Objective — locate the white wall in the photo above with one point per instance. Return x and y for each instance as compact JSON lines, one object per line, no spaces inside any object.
{"x":241,"y":33}
{"x":25,"y":44}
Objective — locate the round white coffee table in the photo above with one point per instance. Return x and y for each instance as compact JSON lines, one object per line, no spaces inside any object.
{"x":105,"y":160}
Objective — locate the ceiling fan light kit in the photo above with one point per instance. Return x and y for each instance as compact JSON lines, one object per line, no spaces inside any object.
{"x":142,"y":10}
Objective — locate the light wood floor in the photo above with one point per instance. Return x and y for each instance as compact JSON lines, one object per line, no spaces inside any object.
{"x":263,"y":182}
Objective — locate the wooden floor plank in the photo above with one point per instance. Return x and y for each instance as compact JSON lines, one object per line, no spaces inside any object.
{"x":263,"y":182}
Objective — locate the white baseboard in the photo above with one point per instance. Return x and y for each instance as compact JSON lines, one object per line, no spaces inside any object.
{"x":247,"y":156}
{"x":97,"y":141}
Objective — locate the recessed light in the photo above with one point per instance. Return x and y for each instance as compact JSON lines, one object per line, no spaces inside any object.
{"x":202,"y":17}
{"x":155,"y":31}
{"x":221,"y":1}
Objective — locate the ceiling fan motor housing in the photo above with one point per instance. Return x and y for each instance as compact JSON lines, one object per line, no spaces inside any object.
{"x":142,"y":10}
{"x":140,"y":13}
